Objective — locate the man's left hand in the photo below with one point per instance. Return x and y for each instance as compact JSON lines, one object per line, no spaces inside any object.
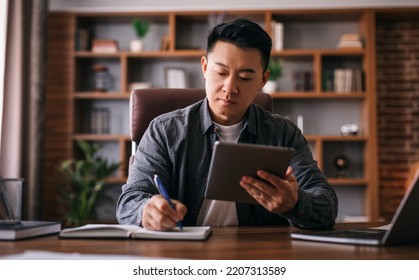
{"x":276,"y":194}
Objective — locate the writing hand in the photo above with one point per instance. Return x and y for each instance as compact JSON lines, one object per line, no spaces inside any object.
{"x":159,"y":215}
{"x":276,"y":194}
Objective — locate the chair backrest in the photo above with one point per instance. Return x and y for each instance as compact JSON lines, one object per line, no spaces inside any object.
{"x":146,"y":104}
{"x":414,"y":169}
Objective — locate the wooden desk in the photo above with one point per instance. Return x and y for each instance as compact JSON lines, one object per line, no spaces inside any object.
{"x":225,"y":243}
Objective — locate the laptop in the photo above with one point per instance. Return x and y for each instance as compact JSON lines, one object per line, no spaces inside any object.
{"x":231,"y":161}
{"x":403,"y":229}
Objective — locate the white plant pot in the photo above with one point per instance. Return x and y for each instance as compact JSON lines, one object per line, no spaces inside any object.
{"x":270,"y":87}
{"x":137,"y":45}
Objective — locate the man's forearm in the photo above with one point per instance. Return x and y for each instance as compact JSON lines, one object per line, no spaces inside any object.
{"x":313,"y":211}
{"x":129,"y":207}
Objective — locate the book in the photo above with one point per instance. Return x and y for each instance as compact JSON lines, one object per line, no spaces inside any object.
{"x":350,"y":37}
{"x":277,"y":35}
{"x":28,"y":229}
{"x":328,"y":80}
{"x":135,"y":232}
{"x":350,"y":41}
{"x":353,"y":45}
{"x":346,"y":80}
{"x":104,"y":46}
{"x":303,"y":80}
{"x":99,"y":121}
{"x":339,"y":80}
{"x":83,"y":39}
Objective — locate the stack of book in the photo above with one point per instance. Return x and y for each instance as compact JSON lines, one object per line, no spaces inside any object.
{"x":28,"y":229}
{"x":99,"y":121}
{"x":343,"y":80}
{"x":303,"y":80}
{"x":104,"y":46}
{"x":350,"y":41}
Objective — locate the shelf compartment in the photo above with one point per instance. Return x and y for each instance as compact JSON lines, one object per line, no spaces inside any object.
{"x":352,"y":151}
{"x":304,"y":66}
{"x":191,"y":29}
{"x":117,"y":110}
{"x":113,"y":149}
{"x":343,"y":74}
{"x":153,"y":71}
{"x":317,"y":122}
{"x":351,"y":199}
{"x":118,"y":27}
{"x":84,"y":73}
{"x":316,"y":30}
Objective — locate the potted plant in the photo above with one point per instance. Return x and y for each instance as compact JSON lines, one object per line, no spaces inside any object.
{"x":83,"y":182}
{"x":275,"y":69}
{"x":141,"y":28}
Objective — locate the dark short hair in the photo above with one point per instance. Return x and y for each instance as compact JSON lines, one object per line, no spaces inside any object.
{"x":242,"y":33}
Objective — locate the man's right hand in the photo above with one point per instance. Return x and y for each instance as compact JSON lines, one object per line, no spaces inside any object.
{"x":158,"y":215}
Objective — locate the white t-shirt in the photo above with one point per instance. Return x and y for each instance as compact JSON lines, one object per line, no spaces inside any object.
{"x":219,"y":213}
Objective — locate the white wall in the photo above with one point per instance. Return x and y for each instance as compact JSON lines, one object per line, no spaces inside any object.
{"x":169,"y":5}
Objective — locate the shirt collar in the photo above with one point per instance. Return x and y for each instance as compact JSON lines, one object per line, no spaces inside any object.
{"x":250,"y":121}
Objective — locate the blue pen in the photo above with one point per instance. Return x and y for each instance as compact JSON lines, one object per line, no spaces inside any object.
{"x":163,"y":192}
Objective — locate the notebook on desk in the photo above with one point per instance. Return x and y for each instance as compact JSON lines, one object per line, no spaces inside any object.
{"x":135,"y":232}
{"x":403,"y":229}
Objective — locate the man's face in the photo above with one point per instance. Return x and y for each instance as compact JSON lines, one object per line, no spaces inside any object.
{"x":233,"y":77}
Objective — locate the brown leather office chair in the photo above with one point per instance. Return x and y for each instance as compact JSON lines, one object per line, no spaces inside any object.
{"x":146,"y":104}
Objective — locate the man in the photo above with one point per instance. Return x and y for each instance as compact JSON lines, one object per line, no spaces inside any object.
{"x":178,"y":147}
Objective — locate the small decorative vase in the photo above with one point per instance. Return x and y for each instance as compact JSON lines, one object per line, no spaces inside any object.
{"x":137,"y":45}
{"x":270,"y":87}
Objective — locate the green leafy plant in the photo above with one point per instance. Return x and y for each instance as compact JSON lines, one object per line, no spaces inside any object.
{"x":275,"y":67}
{"x":141,"y":27}
{"x":83,"y":182}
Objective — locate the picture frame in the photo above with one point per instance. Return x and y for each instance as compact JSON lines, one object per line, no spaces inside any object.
{"x":175,"y":77}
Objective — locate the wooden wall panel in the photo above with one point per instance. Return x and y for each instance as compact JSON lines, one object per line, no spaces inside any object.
{"x":59,"y":111}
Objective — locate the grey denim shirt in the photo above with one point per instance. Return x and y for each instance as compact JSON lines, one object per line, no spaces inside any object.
{"x":178,"y":147}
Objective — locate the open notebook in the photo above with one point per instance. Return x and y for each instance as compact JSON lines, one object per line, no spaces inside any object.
{"x":403,"y":229}
{"x":135,"y":232}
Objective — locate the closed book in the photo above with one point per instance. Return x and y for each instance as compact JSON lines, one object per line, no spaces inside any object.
{"x":28,"y":229}
{"x":348,"y":80}
{"x":104,"y":46}
{"x":328,"y":78}
{"x":135,"y":232}
{"x":83,"y":39}
{"x":278,"y":35}
{"x":349,"y":45}
{"x":339,"y":81}
{"x":358,"y":84}
{"x":350,"y":37}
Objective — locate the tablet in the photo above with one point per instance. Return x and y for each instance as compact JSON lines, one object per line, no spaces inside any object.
{"x":231,"y":161}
